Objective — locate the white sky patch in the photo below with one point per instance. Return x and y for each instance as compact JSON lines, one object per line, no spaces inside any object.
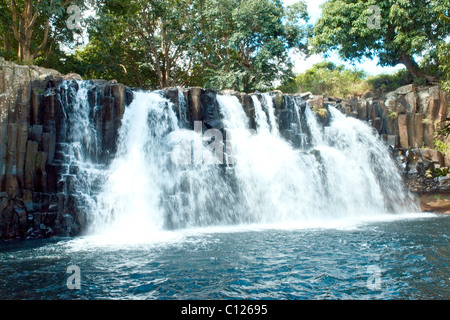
{"x":82,"y":40}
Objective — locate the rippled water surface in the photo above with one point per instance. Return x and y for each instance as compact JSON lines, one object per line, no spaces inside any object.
{"x":405,"y":258}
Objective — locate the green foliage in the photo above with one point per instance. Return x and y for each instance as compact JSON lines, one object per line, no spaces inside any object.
{"x":142,"y":43}
{"x":444,"y":57}
{"x":393,"y":115}
{"x":245,"y":42}
{"x":321,"y":112}
{"x":441,"y":146}
{"x":437,"y":172}
{"x":408,"y":29}
{"x":97,"y":61}
{"x":221,"y":44}
{"x":444,"y":132}
{"x":325,"y":78}
{"x":390,"y":82}
{"x":47,"y":29}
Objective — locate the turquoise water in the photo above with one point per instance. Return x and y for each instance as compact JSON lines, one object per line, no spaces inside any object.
{"x":398,"y":258}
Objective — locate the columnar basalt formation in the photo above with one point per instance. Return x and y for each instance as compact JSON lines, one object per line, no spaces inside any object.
{"x":407,"y":119}
{"x":38,"y":196}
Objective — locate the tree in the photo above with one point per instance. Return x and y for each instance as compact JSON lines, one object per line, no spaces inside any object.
{"x":221,"y":44}
{"x":141,"y":37}
{"x":33,"y":28}
{"x":407,"y":29}
{"x":444,"y":56}
{"x":444,"y":132}
{"x":245,"y":43}
{"x":111,"y":52}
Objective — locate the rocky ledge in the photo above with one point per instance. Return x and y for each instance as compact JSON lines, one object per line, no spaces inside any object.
{"x":407,"y":120}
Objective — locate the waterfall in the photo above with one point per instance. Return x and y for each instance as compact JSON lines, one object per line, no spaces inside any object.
{"x":345,"y":172}
{"x":314,"y":127}
{"x":260,"y":116}
{"x":81,"y":173}
{"x":182,"y":109}
{"x":298,"y":125}
{"x":271,"y":112}
{"x":166,"y":176}
{"x":140,"y":172}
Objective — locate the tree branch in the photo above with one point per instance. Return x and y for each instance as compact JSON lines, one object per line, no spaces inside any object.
{"x":183,"y":74}
{"x":209,"y":63}
{"x":12,"y":8}
{"x":45,"y":39}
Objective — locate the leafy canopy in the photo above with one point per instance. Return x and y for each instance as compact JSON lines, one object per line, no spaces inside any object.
{"x":139,"y":43}
{"x":246,"y":43}
{"x":326,"y":78}
{"x":407,"y":29}
{"x":222,"y":44}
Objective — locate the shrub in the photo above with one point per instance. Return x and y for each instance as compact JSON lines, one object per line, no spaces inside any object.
{"x":325,"y":78}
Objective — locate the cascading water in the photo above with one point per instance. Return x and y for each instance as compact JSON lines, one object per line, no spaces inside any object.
{"x":271,"y":112}
{"x":81,"y":173}
{"x":140,"y":173}
{"x":260,"y":116}
{"x":346,"y":171}
{"x":164,"y":176}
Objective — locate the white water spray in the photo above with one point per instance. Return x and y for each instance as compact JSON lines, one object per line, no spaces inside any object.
{"x":140,"y":173}
{"x":347,"y":172}
{"x":271,"y":112}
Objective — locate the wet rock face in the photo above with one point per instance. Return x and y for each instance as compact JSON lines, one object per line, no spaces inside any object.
{"x":38,"y":190}
{"x":410,"y":114}
{"x":30,"y":123}
{"x":407,"y":119}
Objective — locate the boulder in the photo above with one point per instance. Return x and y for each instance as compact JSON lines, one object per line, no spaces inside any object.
{"x":316,"y":102}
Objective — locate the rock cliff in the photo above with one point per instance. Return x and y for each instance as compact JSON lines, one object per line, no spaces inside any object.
{"x":407,"y":119}
{"x":38,"y":198}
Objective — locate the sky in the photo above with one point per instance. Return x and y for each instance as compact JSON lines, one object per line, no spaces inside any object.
{"x":302,"y":64}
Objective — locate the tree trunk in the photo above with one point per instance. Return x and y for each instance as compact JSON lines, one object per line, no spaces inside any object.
{"x":26,"y":31}
{"x":414,"y":69}
{"x":23,"y":25}
{"x":27,"y":56}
